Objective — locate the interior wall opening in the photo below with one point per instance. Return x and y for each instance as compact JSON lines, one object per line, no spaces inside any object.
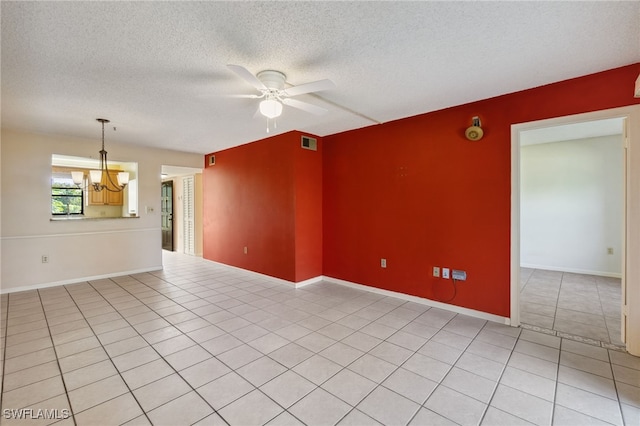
{"x":571,"y":229}
{"x":186,"y":216}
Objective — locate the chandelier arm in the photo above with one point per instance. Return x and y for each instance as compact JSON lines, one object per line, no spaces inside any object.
{"x":104,"y":168}
{"x":109,"y":179}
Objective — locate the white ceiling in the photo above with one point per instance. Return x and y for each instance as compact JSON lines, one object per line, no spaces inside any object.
{"x":158,"y":70}
{"x":567,"y":132}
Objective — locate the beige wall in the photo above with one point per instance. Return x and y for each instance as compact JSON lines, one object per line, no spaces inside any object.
{"x":77,"y":249}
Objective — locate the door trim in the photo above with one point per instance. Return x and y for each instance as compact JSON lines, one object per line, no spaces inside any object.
{"x":631,"y":243}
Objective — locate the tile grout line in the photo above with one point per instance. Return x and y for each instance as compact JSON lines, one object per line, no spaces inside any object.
{"x":110,"y":359}
{"x":495,"y":388}
{"x":555,"y":312}
{"x":318,"y":353}
{"x":4,"y":349}
{"x":53,"y":346}
{"x":578,"y":338}
{"x":151,"y":346}
{"x":401,"y":329}
{"x":246,"y":343}
{"x":421,"y":405}
{"x":615,"y":386}
{"x":196,"y":343}
{"x":286,"y":409}
{"x":555,"y":387}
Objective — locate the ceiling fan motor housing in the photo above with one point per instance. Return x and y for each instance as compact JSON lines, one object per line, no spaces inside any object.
{"x":274,"y":80}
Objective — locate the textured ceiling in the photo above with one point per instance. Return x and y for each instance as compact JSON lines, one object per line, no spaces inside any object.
{"x":158,"y":70}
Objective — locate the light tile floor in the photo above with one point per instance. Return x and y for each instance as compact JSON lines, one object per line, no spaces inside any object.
{"x":577,"y":306}
{"x":198,"y":343}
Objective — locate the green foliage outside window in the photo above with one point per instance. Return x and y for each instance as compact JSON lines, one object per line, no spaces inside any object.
{"x":66,"y":198}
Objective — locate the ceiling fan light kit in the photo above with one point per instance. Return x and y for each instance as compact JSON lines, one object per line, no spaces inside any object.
{"x":270,"y":108}
{"x":474,"y":132}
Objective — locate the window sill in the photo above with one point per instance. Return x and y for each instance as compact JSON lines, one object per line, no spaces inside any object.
{"x":65,"y":218}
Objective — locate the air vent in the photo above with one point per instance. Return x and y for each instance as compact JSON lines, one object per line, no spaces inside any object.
{"x":309,"y":143}
{"x":212,"y":160}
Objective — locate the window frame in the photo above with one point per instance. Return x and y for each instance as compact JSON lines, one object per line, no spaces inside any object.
{"x":80,"y":194}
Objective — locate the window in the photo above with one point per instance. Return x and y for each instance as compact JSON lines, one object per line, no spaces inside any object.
{"x":66,"y":197}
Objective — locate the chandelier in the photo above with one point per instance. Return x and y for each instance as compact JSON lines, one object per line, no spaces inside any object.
{"x":95,"y":176}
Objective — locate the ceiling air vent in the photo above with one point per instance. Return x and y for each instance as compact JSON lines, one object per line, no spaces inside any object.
{"x":309,"y":143}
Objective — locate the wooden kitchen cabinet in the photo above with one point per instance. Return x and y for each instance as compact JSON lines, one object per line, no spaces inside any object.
{"x":106,"y":197}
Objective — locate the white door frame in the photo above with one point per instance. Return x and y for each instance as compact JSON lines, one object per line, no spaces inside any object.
{"x":631,"y":245}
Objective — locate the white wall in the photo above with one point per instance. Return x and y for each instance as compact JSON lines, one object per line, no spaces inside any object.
{"x":78,"y":250}
{"x":572,"y":205}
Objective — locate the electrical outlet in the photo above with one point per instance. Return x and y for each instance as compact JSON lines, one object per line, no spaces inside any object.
{"x":436,"y":271}
{"x":445,"y":273}
{"x":609,"y":250}
{"x":246,"y":250}
{"x":383,"y":263}
{"x":45,"y":258}
{"x":458,"y":275}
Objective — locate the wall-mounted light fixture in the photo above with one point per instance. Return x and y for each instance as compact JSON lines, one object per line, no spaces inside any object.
{"x":474,"y":132}
{"x":95,"y":176}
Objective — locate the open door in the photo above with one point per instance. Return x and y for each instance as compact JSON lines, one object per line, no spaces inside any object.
{"x":167,"y":215}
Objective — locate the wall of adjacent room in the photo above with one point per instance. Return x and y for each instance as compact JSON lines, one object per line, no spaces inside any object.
{"x":572,"y":205}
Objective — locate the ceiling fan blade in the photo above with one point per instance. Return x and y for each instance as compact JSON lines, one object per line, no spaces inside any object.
{"x":314,"y":86}
{"x":242,"y":96}
{"x":313,"y":109}
{"x":247,"y":76}
{"x":216,"y":95}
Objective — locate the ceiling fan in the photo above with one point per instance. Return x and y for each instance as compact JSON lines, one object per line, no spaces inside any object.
{"x":271,"y":85}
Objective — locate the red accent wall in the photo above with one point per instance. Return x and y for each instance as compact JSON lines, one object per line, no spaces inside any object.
{"x":419,"y":194}
{"x":266,"y":196}
{"x":413,"y":191}
{"x":308,"y":211}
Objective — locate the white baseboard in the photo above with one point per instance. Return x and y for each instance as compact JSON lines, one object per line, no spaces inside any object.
{"x":318,"y":279}
{"x":403,"y":296}
{"x":269,"y":277}
{"x":572,"y":270}
{"x":79,"y":280}
{"x":422,"y":301}
{"x":309,"y":281}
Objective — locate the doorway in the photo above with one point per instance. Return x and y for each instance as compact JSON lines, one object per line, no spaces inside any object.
{"x":187,"y":208}
{"x":630,"y":244}
{"x":167,"y":215}
{"x":571,"y":229}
